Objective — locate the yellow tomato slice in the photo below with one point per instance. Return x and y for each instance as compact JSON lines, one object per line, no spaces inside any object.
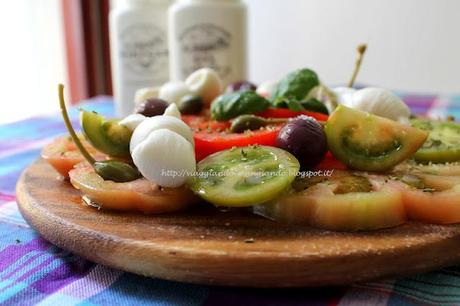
{"x":320,"y":206}
{"x":139,"y":195}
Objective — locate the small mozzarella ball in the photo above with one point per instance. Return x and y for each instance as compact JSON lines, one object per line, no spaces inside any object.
{"x":206,"y":84}
{"x":152,"y":124}
{"x":404,"y":120}
{"x":146,"y":93}
{"x":165,"y":158}
{"x":344,"y":95}
{"x":133,"y":121}
{"x":172,"y":92}
{"x":172,"y":111}
{"x":266,"y":88}
{"x":380,"y":102}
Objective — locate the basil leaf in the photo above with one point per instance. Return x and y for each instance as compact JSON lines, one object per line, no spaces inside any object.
{"x":315,"y":105}
{"x":291,"y":104}
{"x":295,"y":105}
{"x":231,"y":105}
{"x":281,"y":103}
{"x":296,"y":85}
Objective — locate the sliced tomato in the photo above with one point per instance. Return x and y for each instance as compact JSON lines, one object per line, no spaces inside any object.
{"x":451,"y":169}
{"x":441,"y":183}
{"x":139,"y":195}
{"x":442,"y":207}
{"x":204,"y":123}
{"x":330,"y":162}
{"x":322,"y":205}
{"x":438,"y":202}
{"x":207,"y":143}
{"x":287,"y":113}
{"x":63,"y":155}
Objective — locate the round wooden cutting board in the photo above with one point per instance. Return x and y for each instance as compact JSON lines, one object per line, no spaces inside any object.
{"x":235,"y":248}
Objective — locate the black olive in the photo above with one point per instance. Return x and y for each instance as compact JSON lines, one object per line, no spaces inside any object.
{"x":241,"y":86}
{"x":152,"y":107}
{"x":304,"y":138}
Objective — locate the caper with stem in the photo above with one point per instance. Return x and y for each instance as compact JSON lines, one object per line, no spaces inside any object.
{"x":251,"y":122}
{"x":361,"y":50}
{"x":190,"y":105}
{"x":114,"y":170}
{"x":244,"y":123}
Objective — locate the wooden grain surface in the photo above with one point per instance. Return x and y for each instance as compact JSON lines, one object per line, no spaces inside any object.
{"x":233,"y":248}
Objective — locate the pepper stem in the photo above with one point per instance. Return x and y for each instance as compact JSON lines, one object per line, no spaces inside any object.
{"x":69,"y":127}
{"x":361,"y":50}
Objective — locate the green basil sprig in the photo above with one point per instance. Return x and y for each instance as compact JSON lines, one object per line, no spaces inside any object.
{"x":315,"y":105}
{"x":231,"y":105}
{"x":294,"y":87}
{"x":312,"y":104}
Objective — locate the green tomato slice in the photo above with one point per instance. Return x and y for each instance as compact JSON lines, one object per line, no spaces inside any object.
{"x":106,"y":136}
{"x":244,"y":176}
{"x":368,"y":142}
{"x":443,"y":143}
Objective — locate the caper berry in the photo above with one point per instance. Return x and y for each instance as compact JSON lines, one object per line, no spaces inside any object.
{"x":247,"y":122}
{"x":116,"y":171}
{"x":251,"y":122}
{"x":190,"y":105}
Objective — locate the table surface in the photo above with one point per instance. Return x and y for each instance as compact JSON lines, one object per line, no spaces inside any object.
{"x":33,"y":271}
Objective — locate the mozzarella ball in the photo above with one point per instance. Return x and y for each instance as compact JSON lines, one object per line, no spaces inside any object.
{"x":266,"y":88}
{"x":172,"y":111}
{"x":165,"y":158}
{"x":133,"y":121}
{"x":344,"y":95}
{"x":206,"y":84}
{"x":152,"y":124}
{"x":172,"y":92}
{"x":381,"y":102}
{"x":146,"y":93}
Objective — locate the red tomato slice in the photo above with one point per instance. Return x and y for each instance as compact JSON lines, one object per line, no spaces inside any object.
{"x":63,"y":155}
{"x":207,"y":143}
{"x":287,"y":113}
{"x":139,"y":195}
{"x":330,"y":162}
